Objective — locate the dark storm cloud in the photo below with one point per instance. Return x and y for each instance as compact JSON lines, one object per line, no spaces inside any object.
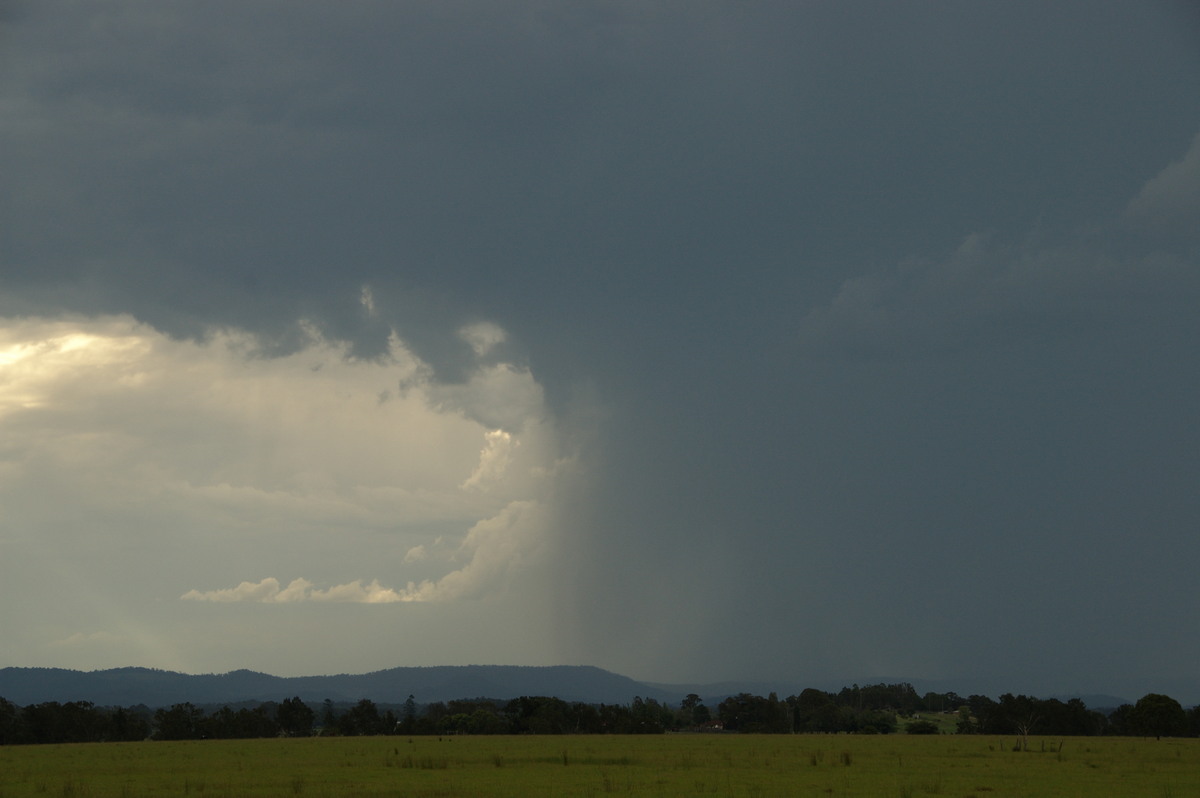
{"x":891,"y":360}
{"x":609,"y":155}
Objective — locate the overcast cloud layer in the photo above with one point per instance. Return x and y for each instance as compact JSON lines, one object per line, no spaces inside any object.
{"x":812,"y":342}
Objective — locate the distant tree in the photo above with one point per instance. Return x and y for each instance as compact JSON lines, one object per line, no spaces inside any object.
{"x":539,"y":715}
{"x":649,"y":716}
{"x":328,"y":719}
{"x":72,"y":722}
{"x":1022,"y":714}
{"x":777,"y":716}
{"x":692,"y":713}
{"x":220,"y":725}
{"x":260,"y":721}
{"x":756,"y":715}
{"x":921,"y":727}
{"x":743,"y":712}
{"x":1194,"y":721}
{"x":43,"y":722}
{"x":585,"y":718}
{"x":295,"y":718}
{"x":179,"y":722}
{"x":241,"y":724}
{"x":1158,"y":716}
{"x":989,"y":719}
{"x":900,"y":697}
{"x":687,"y":710}
{"x":615,"y":719}
{"x":432,"y":718}
{"x":83,"y":723}
{"x":408,"y":721}
{"x":12,"y":726}
{"x":870,"y":721}
{"x":816,"y":711}
{"x":1120,"y":721}
{"x":1072,"y":718}
{"x":941,"y":702}
{"x":472,"y":716}
{"x":129,"y":725}
{"x":361,"y":719}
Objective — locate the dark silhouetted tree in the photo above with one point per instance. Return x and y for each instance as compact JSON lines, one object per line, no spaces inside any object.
{"x":12,"y":726}
{"x":1157,"y":715}
{"x":179,"y":722}
{"x":360,"y":720}
{"x":408,"y":720}
{"x":328,"y":719}
{"x":295,"y":718}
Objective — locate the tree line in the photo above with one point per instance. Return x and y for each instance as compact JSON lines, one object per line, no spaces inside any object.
{"x":872,"y":709}
{"x":83,"y":721}
{"x":887,"y":708}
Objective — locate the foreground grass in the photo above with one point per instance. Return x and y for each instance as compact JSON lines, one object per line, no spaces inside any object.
{"x":671,"y":765}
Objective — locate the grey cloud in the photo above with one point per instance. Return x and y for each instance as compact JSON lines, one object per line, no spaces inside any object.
{"x":1170,"y":202}
{"x":542,"y":133}
{"x":984,"y":295}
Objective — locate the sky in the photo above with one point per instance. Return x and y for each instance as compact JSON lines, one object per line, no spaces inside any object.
{"x":805,"y":342}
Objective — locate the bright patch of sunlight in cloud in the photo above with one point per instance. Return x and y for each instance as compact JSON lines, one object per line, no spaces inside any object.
{"x":493,"y":552}
{"x":368,"y":471}
{"x":483,"y":337}
{"x":367,"y":300}
{"x":268,"y":591}
{"x":494,"y":460}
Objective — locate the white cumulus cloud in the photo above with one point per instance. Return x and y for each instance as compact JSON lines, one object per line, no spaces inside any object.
{"x":494,"y":460}
{"x":493,"y":552}
{"x":187,"y":457}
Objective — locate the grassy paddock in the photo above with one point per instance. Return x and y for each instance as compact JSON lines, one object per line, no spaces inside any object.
{"x":670,"y":765}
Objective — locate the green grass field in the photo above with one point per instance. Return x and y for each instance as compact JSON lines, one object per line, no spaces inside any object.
{"x":902,"y":766}
{"x":947,"y":724}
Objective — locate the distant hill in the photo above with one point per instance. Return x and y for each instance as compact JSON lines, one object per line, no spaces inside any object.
{"x":155,"y":688}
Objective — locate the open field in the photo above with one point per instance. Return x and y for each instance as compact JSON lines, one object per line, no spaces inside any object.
{"x":947,"y":724}
{"x":664,"y":765}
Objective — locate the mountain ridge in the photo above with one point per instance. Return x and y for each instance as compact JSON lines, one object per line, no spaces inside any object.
{"x":129,"y":686}
{"x":132,"y":685}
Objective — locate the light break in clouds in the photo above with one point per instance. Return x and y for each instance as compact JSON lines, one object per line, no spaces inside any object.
{"x":492,"y":551}
{"x":218,"y":467}
{"x":268,"y":591}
